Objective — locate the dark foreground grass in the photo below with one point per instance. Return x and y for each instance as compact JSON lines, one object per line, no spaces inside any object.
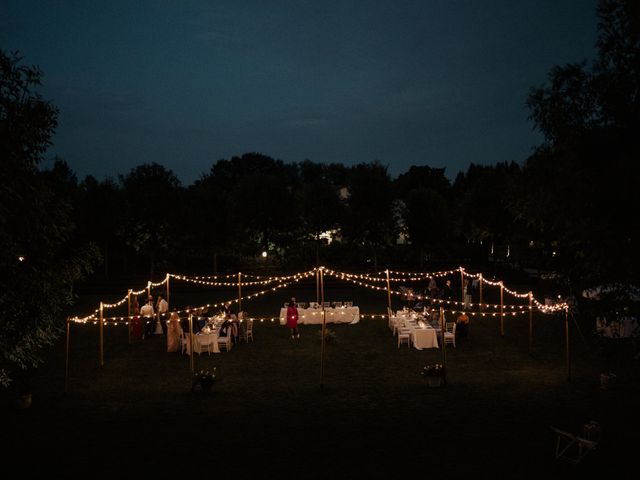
{"x":374,"y":418}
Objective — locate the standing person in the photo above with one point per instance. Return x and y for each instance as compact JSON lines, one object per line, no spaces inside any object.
{"x":462,"y":325}
{"x":136,"y":325}
{"x":292,"y":318}
{"x":147,"y":317}
{"x":447,"y":290}
{"x":433,"y":289}
{"x":174,"y":333}
{"x":162,"y":307}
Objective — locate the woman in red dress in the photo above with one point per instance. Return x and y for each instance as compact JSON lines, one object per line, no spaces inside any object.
{"x":292,"y":318}
{"x":136,"y":326}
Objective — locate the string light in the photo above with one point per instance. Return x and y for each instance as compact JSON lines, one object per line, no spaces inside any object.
{"x":353,"y":278}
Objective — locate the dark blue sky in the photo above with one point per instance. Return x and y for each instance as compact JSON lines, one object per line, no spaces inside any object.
{"x":185,"y":83}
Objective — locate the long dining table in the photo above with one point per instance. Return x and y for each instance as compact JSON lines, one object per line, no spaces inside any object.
{"x":422,"y":333}
{"x":333,"y":315}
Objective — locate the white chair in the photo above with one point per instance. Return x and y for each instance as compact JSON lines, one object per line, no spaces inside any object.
{"x":248,"y":332}
{"x":572,"y":447}
{"x":326,"y":304}
{"x":404,"y":336}
{"x":337,"y":304}
{"x":203,"y":343}
{"x":227,"y":341}
{"x":450,"y":333}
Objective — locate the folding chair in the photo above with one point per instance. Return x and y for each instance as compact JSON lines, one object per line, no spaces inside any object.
{"x":571,"y":447}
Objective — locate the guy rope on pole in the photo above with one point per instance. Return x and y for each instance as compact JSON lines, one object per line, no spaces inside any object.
{"x":388,"y":289}
{"x":501,"y":309}
{"x":168,"y":301}
{"x":66,"y":358}
{"x":239,"y":293}
{"x":444,"y":345}
{"x":101,"y":334}
{"x":530,"y":322}
{"x":480,"y":287}
{"x":191,"y":341}
{"x":324,"y":326}
{"x":566,"y":332}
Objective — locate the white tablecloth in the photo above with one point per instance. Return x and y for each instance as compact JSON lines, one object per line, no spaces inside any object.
{"x":333,"y":315}
{"x":424,"y":338}
{"x":201,"y":340}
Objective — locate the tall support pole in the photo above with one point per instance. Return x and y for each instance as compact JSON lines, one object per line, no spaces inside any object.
{"x":324,"y":326}
{"x":317,"y":285}
{"x":148,"y":290}
{"x":129,"y":322}
{"x":480,"y":286}
{"x":66,"y":358}
{"x":101,"y":334}
{"x":566,"y":333}
{"x":168,"y":292}
{"x":462,"y":285}
{"x":191,"y":342}
{"x":239,"y":292}
{"x":501,"y":309}
{"x":444,"y":344}
{"x":388,"y":290}
{"x":530,"y":323}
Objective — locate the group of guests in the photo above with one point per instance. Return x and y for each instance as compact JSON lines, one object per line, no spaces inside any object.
{"x":145,"y":322}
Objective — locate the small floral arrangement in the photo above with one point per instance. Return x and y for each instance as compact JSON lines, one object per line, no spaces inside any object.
{"x":329,"y":335}
{"x":204,"y":378}
{"x":433,"y":370}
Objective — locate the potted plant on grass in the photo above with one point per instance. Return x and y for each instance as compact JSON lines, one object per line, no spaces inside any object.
{"x":203,"y":380}
{"x":434,"y":374}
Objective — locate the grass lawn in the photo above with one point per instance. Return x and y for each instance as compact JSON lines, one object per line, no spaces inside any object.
{"x":374,"y":418}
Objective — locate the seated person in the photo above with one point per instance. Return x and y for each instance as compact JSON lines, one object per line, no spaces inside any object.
{"x":225,"y":326}
{"x":184,"y":324}
{"x":462,"y":324}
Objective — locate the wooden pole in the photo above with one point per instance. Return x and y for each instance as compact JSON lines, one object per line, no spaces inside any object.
{"x":566,"y":333}
{"x":388,"y":289}
{"x":317,"y":285}
{"x":324,"y":326}
{"x":191,"y":341}
{"x":501,"y":309}
{"x":66,"y":359}
{"x":530,"y":323}
{"x":148,"y":290}
{"x":480,"y":285}
{"x":129,"y":323}
{"x":444,"y":345}
{"x":462,"y":285}
{"x":168,"y":301}
{"x":101,"y":334}
{"x":239,"y":292}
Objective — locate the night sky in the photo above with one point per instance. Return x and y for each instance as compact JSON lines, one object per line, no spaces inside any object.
{"x":185,"y":83}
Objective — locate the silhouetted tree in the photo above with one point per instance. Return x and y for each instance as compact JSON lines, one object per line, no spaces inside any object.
{"x":579,"y":189}
{"x":38,"y":259}
{"x":369,"y":220}
{"x":151,"y":224}
{"x":318,"y":203}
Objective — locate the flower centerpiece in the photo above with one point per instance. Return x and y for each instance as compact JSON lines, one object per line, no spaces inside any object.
{"x":203,"y":379}
{"x":434,"y":374}
{"x":329,"y":335}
